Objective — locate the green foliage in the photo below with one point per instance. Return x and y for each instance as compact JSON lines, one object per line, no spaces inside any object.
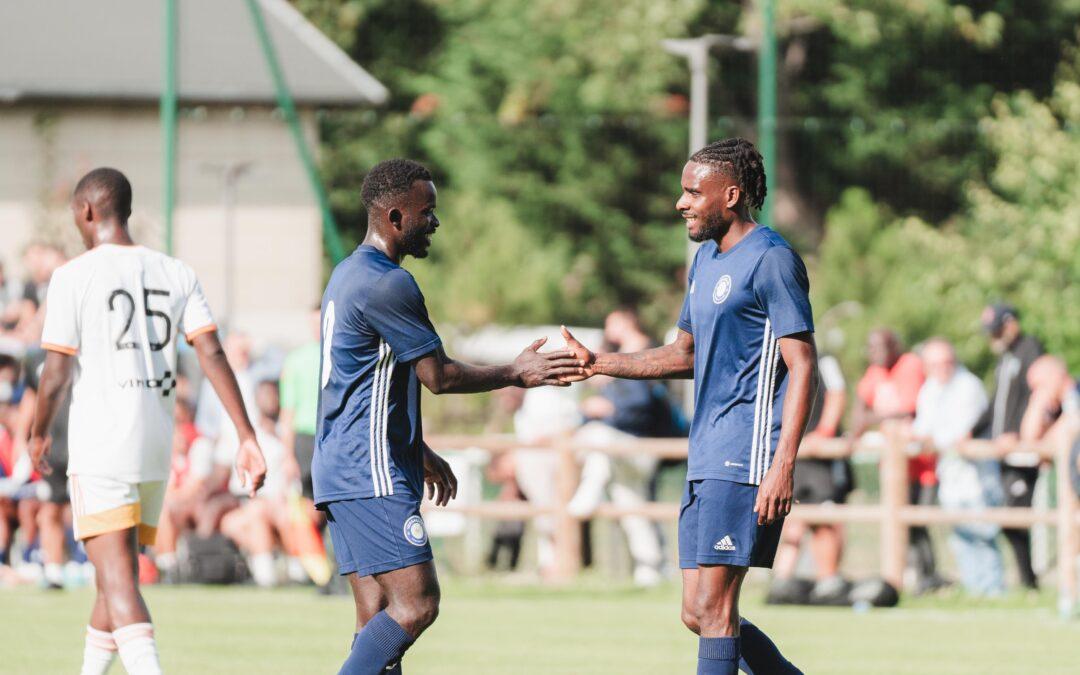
{"x":928,"y":135}
{"x":1017,"y":237}
{"x":545,"y":125}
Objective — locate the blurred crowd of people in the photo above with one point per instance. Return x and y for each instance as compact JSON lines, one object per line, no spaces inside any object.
{"x":930,"y":402}
{"x":210,"y":531}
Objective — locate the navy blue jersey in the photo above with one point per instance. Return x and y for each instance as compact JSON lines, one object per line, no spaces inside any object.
{"x":374,"y":325}
{"x":738,"y":306}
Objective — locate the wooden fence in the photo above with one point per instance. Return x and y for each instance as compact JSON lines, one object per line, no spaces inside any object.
{"x":893,"y":514}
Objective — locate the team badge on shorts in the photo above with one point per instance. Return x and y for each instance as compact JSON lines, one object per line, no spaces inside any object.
{"x":415,"y":533}
{"x":722,"y":289}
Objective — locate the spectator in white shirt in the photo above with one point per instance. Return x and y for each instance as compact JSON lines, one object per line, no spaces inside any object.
{"x":949,"y":404}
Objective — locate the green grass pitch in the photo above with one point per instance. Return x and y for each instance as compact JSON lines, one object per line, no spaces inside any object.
{"x":591,"y":627}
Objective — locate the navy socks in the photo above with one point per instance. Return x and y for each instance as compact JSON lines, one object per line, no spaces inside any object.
{"x":718,"y":656}
{"x":381,"y":643}
{"x":759,"y":656}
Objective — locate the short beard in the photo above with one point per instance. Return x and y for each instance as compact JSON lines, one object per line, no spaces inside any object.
{"x":415,"y":244}
{"x":714,"y":228}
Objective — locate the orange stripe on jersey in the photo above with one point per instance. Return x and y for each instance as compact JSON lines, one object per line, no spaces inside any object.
{"x":199,"y":331}
{"x":70,"y":351}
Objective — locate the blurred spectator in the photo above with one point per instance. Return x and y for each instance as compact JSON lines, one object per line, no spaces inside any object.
{"x":11,"y":306}
{"x":508,"y":533}
{"x":210,"y":416}
{"x":949,"y":404}
{"x":53,"y":508}
{"x":259,"y":526}
{"x":1053,"y":411}
{"x":300,"y":405}
{"x":623,"y":410}
{"x":818,"y":481}
{"x":1002,"y":419}
{"x":179,"y":492}
{"x":39,"y":261}
{"x":886,"y":398}
{"x":546,"y":414}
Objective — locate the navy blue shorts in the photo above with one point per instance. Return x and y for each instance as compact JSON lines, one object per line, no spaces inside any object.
{"x":377,"y":534}
{"x":718,"y":526}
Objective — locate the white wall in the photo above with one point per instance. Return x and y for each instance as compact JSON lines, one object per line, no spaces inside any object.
{"x":45,"y":149}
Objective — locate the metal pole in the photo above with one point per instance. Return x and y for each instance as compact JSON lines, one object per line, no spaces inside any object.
{"x":285,"y":102}
{"x":699,"y":98}
{"x":168,"y":123}
{"x":767,"y":102}
{"x":231,"y":173}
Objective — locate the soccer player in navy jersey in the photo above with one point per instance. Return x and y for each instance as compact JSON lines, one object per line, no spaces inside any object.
{"x":746,"y":338}
{"x":371,"y":463}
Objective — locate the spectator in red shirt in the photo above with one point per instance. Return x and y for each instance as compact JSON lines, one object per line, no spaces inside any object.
{"x":886,"y":398}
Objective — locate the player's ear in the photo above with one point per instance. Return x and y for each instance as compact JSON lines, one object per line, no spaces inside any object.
{"x":85,"y":210}
{"x":395,"y":217}
{"x":732,"y":195}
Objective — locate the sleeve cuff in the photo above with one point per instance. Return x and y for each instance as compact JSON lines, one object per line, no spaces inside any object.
{"x":792,"y":329}
{"x":417,"y":352}
{"x":60,"y":349}
{"x":685,"y":326}
{"x":190,"y":337}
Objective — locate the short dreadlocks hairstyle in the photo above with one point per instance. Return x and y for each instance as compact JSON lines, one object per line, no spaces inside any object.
{"x":740,"y":160}
{"x":390,"y":178}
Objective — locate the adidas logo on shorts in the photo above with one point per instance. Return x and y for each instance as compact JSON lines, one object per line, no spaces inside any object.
{"x":725,"y":544}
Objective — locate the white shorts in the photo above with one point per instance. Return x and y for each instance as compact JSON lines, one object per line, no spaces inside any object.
{"x":101,"y":505}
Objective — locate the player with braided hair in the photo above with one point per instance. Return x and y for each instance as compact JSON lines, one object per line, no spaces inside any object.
{"x":747,"y":339}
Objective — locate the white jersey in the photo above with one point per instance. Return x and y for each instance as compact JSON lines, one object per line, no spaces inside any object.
{"x":119,"y":310}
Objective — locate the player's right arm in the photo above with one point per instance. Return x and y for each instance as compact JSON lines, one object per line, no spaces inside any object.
{"x":52,"y":385}
{"x":673,"y":361}
{"x":250,"y":464}
{"x":397,"y":311}
{"x":60,"y":338}
{"x":443,"y":375}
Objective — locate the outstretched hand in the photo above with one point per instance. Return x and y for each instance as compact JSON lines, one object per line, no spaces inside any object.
{"x":582,"y":354}
{"x":534,"y":369}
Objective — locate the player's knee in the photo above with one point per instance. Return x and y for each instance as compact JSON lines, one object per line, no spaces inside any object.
{"x":714,"y":610}
{"x":415,"y":616}
{"x":690,"y":620}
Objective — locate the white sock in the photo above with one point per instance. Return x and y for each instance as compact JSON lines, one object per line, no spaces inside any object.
{"x":166,"y":561}
{"x":54,"y":573}
{"x":99,"y":652}
{"x":296,"y":570}
{"x":138,"y":651}
{"x":263,"y":569}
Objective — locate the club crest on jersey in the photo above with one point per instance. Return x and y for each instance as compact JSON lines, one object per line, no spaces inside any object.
{"x":415,"y":533}
{"x":722,"y":289}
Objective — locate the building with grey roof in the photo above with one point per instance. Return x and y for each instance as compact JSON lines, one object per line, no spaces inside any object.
{"x":79,"y":87}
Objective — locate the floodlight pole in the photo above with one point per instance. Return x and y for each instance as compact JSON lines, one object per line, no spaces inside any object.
{"x":231,"y":173}
{"x":767,"y":101}
{"x":167,"y":116}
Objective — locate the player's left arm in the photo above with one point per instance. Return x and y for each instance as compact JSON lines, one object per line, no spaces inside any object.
{"x":250,"y":464}
{"x":782,"y":289}
{"x":438,"y":477}
{"x":52,"y":386}
{"x":775,"y":494}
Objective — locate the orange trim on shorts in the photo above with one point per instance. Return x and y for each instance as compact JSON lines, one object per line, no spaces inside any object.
{"x":113,"y":520}
{"x":69,"y":351}
{"x":190,"y":337}
{"x":147,"y":534}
